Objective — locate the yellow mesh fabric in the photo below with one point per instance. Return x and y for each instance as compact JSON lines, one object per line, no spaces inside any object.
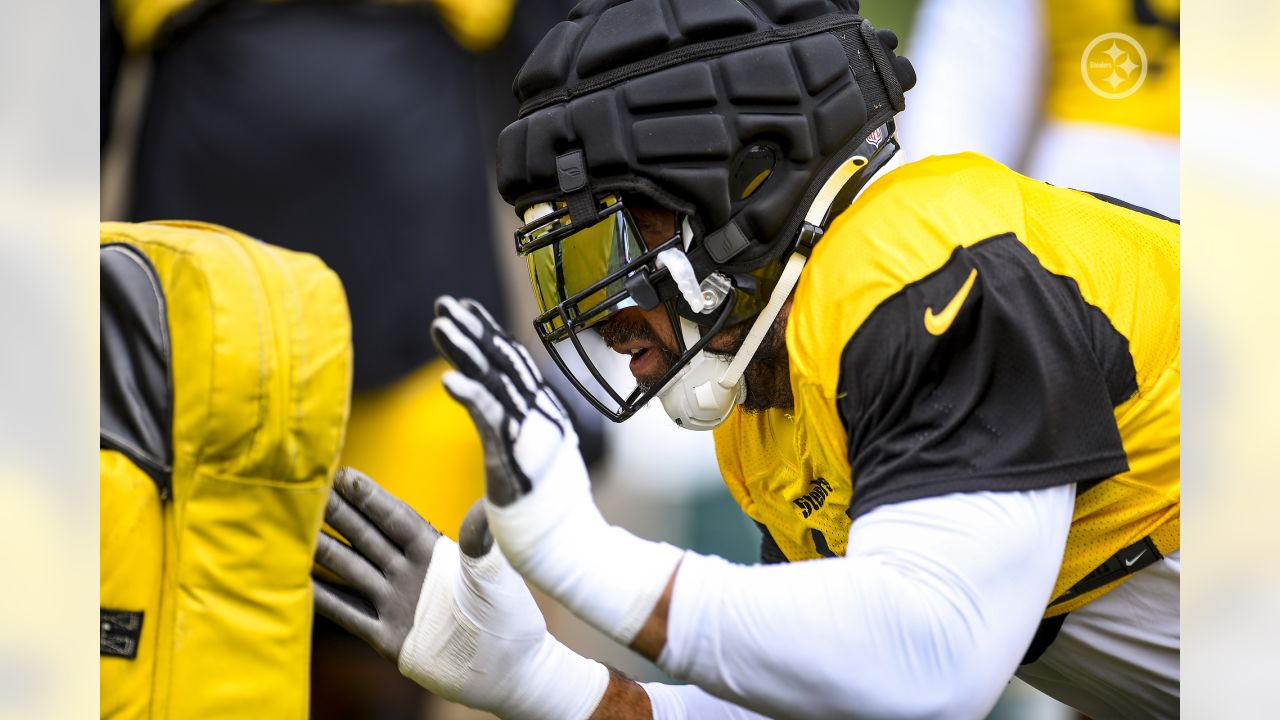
{"x":905,"y":227}
{"x":766,"y":474}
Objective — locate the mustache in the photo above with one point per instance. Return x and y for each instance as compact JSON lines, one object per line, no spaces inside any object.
{"x":619,"y":330}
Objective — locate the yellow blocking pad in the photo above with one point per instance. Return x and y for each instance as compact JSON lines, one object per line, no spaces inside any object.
{"x":131,"y":541}
{"x":414,"y":440}
{"x":261,"y":370}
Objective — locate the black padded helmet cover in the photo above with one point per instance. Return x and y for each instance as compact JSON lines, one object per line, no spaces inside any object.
{"x":664,"y":97}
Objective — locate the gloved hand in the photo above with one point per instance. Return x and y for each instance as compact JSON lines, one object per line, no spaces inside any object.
{"x":540,"y":506}
{"x":524,"y":426}
{"x":461,"y":624}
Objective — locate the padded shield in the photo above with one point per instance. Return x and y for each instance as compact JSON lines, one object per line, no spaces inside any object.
{"x":234,"y":360}
{"x":668,"y":98}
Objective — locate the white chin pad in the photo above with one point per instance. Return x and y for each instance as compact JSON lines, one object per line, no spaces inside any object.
{"x":695,"y":399}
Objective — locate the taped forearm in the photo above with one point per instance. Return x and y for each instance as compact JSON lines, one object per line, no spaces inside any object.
{"x":927,"y":616}
{"x":601,"y":573}
{"x":540,"y":508}
{"x":479,"y":639}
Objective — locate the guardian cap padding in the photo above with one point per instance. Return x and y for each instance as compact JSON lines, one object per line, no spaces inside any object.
{"x":665,"y":98}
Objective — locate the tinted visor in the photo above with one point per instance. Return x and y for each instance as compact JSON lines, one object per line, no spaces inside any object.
{"x":585,"y":269}
{"x":583,"y":274}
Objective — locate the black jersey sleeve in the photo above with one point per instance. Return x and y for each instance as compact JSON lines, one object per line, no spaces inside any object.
{"x":990,"y":374}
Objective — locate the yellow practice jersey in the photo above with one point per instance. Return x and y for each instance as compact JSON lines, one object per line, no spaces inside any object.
{"x":1128,"y":49}
{"x":962,"y":328}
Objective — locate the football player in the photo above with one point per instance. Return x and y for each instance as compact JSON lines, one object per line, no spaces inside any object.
{"x":947,"y":393}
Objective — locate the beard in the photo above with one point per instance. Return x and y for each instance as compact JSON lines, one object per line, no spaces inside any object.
{"x":767,"y":377}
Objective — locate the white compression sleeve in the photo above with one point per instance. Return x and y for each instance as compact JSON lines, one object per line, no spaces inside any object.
{"x":684,"y":702}
{"x":927,"y":615}
{"x":559,"y":541}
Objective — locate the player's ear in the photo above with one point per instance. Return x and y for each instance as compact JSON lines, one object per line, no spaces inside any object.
{"x":474,"y":539}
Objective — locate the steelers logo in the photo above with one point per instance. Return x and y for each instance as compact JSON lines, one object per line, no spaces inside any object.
{"x":1114,"y":66}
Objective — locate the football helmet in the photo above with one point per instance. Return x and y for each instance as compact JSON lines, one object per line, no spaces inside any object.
{"x":754,"y":121}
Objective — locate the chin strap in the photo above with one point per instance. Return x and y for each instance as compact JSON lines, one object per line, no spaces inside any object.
{"x":702,"y":396}
{"x":786,"y":283}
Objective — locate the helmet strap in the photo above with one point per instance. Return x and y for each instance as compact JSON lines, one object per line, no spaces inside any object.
{"x":837,"y":193}
{"x":701,"y":397}
{"x":786,"y":283}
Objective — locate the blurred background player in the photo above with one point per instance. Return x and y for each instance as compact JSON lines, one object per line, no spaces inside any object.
{"x":1028,"y":103}
{"x":357,"y":131}
{"x":350,"y":130}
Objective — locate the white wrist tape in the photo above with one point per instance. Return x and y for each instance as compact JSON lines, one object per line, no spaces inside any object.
{"x":479,"y":639}
{"x":557,"y":539}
